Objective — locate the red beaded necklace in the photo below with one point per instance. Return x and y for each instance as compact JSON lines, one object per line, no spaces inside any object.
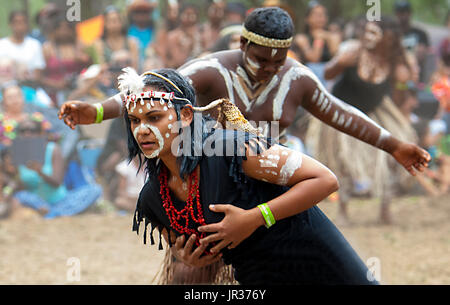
{"x":179,"y":220}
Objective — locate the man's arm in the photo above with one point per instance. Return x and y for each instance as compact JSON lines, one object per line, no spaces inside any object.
{"x":346,"y":118}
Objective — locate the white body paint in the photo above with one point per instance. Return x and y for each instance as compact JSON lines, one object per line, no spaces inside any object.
{"x":293,"y":162}
{"x":211,"y":63}
{"x":261,"y":99}
{"x":338,"y":117}
{"x":285,"y":86}
{"x":158,"y":136}
{"x":321,"y":95}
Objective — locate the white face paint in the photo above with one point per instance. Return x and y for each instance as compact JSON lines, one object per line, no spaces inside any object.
{"x":274,"y":52}
{"x":158,"y":136}
{"x":252,"y":66}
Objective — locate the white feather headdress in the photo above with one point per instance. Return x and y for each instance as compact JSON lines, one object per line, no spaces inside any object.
{"x":130,"y":80}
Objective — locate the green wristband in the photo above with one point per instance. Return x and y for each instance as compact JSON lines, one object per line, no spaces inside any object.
{"x":99,"y":117}
{"x":267,"y":214}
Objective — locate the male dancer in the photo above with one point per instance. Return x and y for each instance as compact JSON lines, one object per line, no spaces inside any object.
{"x":266,"y":86}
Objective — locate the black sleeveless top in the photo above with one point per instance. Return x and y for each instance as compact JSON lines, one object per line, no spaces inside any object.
{"x":326,"y":53}
{"x":289,"y":252}
{"x":363,"y":95}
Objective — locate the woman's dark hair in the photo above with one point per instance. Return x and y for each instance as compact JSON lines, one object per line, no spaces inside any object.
{"x":189,"y":162}
{"x":270,"y":22}
{"x":61,"y":19}
{"x":311,"y":6}
{"x":112,"y":9}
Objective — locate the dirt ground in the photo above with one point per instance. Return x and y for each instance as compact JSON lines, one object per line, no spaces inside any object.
{"x":100,"y":248}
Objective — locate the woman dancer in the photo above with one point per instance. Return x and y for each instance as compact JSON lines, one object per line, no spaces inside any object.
{"x":262,"y":197}
{"x":373,"y":69}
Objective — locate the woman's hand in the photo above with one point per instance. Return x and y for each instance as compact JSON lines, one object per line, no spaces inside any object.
{"x":237,"y":225}
{"x":76,"y":112}
{"x":183,"y":252}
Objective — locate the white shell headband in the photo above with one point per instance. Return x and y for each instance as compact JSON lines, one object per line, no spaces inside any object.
{"x":133,"y":84}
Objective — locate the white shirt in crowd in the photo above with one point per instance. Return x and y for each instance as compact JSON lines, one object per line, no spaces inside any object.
{"x":26,"y":54}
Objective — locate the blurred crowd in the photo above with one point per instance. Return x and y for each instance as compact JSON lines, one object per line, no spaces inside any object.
{"x":84,"y":168}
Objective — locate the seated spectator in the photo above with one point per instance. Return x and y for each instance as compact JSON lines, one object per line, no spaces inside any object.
{"x":185,"y":41}
{"x":155,"y":54}
{"x":210,"y":30}
{"x":45,"y":19}
{"x":12,"y":113}
{"x":32,"y":95}
{"x":130,"y":184}
{"x":100,"y":81}
{"x":41,"y":184}
{"x":441,"y":82}
{"x":141,"y":25}
{"x":436,"y":178}
{"x":414,"y":39}
{"x":26,"y":52}
{"x":235,"y":13}
{"x":95,"y":84}
{"x":115,"y":38}
{"x":317,"y":44}
{"x":65,"y":58}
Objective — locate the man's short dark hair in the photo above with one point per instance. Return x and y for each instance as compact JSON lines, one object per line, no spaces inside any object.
{"x":402,"y":6}
{"x":270,"y":22}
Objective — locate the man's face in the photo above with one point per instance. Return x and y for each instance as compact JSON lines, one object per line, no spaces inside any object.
{"x":142,"y":18}
{"x":216,"y":12}
{"x":262,"y":63}
{"x":189,"y":17}
{"x":19,"y":26}
{"x":403,"y":17}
